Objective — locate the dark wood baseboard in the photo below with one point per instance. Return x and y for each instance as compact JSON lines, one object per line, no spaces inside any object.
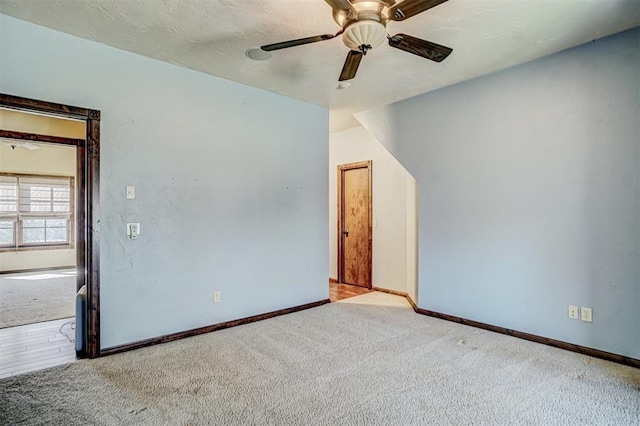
{"x":389,"y":291}
{"x":398,"y":293}
{"x":207,"y":329}
{"x":412,"y":303}
{"x":53,"y":268}
{"x":596,"y":353}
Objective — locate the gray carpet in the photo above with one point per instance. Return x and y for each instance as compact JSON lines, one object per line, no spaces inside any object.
{"x":30,"y":297}
{"x":340,"y":364}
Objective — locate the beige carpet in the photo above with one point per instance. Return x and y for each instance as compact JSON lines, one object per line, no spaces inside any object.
{"x":349,"y":363}
{"x":30,"y":297}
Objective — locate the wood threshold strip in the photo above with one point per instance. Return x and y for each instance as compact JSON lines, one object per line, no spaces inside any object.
{"x":596,"y":353}
{"x":208,"y":329}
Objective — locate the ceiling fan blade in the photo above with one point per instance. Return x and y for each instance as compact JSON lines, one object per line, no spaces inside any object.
{"x":298,"y":42}
{"x":351,"y":65}
{"x":340,"y":4}
{"x":408,"y":8}
{"x":417,"y":46}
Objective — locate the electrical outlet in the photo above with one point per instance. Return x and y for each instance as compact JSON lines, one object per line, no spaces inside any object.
{"x":216,"y":297}
{"x":573,"y":312}
{"x":586,"y":314}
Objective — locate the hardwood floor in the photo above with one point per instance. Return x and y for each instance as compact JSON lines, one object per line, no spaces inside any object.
{"x":36,"y":346}
{"x":345,"y":291}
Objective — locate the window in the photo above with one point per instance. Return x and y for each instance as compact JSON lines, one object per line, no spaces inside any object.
{"x":35,"y":211}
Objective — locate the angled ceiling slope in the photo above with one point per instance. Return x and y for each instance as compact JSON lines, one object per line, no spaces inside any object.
{"x":212,"y":36}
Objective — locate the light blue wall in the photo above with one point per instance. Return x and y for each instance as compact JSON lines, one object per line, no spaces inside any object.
{"x":231,"y":184}
{"x":529,"y":193}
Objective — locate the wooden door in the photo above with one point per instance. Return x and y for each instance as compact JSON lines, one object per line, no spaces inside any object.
{"x":354,"y":224}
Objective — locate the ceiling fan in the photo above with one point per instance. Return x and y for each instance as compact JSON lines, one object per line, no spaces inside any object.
{"x":363,"y":27}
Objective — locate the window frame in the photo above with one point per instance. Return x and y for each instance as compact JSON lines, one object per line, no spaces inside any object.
{"x":18,"y":243}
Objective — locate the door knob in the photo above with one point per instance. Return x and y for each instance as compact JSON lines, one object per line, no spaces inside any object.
{"x":346,"y":233}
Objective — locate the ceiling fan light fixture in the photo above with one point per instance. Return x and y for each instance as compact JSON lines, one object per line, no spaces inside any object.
{"x":364,"y":33}
{"x":363,"y":26}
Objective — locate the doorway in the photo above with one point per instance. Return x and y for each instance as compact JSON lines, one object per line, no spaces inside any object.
{"x":355,"y":224}
{"x":85,"y":220}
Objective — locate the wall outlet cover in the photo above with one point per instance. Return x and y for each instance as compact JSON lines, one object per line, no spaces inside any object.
{"x":586,"y":314}
{"x":573,"y":312}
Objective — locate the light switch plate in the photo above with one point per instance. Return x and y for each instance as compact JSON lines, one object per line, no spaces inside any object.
{"x":136,"y":226}
{"x":131,"y":192}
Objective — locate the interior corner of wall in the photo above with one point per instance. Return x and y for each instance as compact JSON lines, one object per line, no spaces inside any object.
{"x":362,"y":119}
{"x":375,"y":127}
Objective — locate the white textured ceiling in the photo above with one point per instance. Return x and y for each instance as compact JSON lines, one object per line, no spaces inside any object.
{"x":212,"y":36}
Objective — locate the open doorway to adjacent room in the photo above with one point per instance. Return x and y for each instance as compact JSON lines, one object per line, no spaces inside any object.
{"x":373,"y":219}
{"x":42,"y":236}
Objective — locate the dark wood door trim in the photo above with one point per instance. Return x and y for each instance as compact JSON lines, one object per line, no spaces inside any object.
{"x":341,"y":170}
{"x":88,"y":199}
